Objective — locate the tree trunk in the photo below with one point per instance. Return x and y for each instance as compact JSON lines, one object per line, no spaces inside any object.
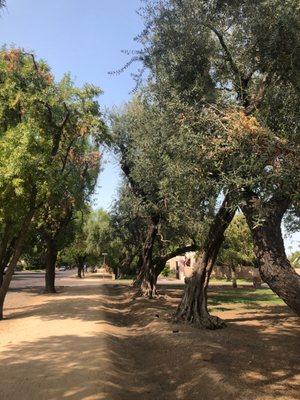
{"x":80,"y":266}
{"x":233,"y":277}
{"x":79,"y":271}
{"x":51,"y":257}
{"x":18,"y":246}
{"x":193,"y":305}
{"x":264,"y":220}
{"x":4,"y":247}
{"x":146,"y":279}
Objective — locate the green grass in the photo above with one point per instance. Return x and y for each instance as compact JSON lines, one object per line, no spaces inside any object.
{"x":246,"y":298}
{"x":224,"y":281}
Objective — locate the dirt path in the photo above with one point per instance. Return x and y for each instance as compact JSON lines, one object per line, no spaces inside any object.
{"x":53,"y":347}
{"x":95,"y":342}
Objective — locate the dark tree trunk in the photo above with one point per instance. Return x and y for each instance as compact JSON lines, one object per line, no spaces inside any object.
{"x":51,"y":257}
{"x":79,"y":271}
{"x":18,"y":246}
{"x":193,"y":305}
{"x":5,"y":253}
{"x":6,"y":258}
{"x":264,"y":220}
{"x":146,"y":279}
{"x":3,"y":249}
{"x":80,"y":266}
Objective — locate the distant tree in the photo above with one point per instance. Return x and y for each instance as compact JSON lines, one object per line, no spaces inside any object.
{"x":237,"y":248}
{"x":91,"y":237}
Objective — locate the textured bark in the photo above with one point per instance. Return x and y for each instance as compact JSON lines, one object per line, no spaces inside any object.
{"x":51,"y":257}
{"x":275,"y":269}
{"x":18,"y":246}
{"x":193,"y":306}
{"x":146,"y":279}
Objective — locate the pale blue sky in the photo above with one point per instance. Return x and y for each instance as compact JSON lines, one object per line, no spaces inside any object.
{"x":86,"y":39}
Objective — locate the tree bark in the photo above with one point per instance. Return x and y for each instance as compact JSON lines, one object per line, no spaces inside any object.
{"x":5,"y":251}
{"x":233,"y":277}
{"x":80,"y":266}
{"x":51,"y":257}
{"x":193,"y":306}
{"x":264,"y":220}
{"x":146,"y":279}
{"x":18,"y":246}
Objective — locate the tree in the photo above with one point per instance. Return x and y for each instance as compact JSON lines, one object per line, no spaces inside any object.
{"x":75,"y":169}
{"x":224,"y":63}
{"x":237,"y":248}
{"x":144,"y":139}
{"x":136,"y":138}
{"x":37,"y":120}
{"x":25,"y":151}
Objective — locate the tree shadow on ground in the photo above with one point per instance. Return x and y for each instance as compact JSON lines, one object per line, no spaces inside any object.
{"x":140,"y":354}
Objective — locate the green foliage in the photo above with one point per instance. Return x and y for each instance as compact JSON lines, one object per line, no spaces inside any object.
{"x":91,"y":237}
{"x":232,"y":79}
{"x":160,"y":182}
{"x":295,"y":259}
{"x":237,"y":248}
{"x":166,"y":272}
{"x":50,"y":134}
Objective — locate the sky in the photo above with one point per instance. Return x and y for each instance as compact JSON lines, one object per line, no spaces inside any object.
{"x":85,"y":38}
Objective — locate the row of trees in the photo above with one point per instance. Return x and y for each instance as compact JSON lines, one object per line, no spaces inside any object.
{"x":215,"y":129}
{"x":50,"y":134}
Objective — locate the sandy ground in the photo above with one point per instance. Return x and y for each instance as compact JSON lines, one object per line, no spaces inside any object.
{"x":93,"y":341}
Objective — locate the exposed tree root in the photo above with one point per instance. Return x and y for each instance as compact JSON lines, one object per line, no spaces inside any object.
{"x":210,"y":322}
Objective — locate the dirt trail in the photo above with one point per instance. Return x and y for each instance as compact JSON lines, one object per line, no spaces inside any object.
{"x":52,"y":347}
{"x":96,"y":342}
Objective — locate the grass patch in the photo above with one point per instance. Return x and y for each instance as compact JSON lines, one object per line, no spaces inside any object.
{"x":225,"y":282}
{"x":246,"y":298}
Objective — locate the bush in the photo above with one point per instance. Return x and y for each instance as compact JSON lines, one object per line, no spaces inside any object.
{"x":166,"y":272}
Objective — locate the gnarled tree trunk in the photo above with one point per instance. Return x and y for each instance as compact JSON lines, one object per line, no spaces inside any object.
{"x":146,"y":279}
{"x":193,"y":306}
{"x":264,"y":220}
{"x":51,"y":257}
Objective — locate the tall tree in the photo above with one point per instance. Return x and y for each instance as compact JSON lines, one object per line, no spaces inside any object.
{"x":221,"y":56}
{"x":76,"y":165}
{"x":144,"y":139}
{"x":25,"y":153}
{"x":37,"y":120}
